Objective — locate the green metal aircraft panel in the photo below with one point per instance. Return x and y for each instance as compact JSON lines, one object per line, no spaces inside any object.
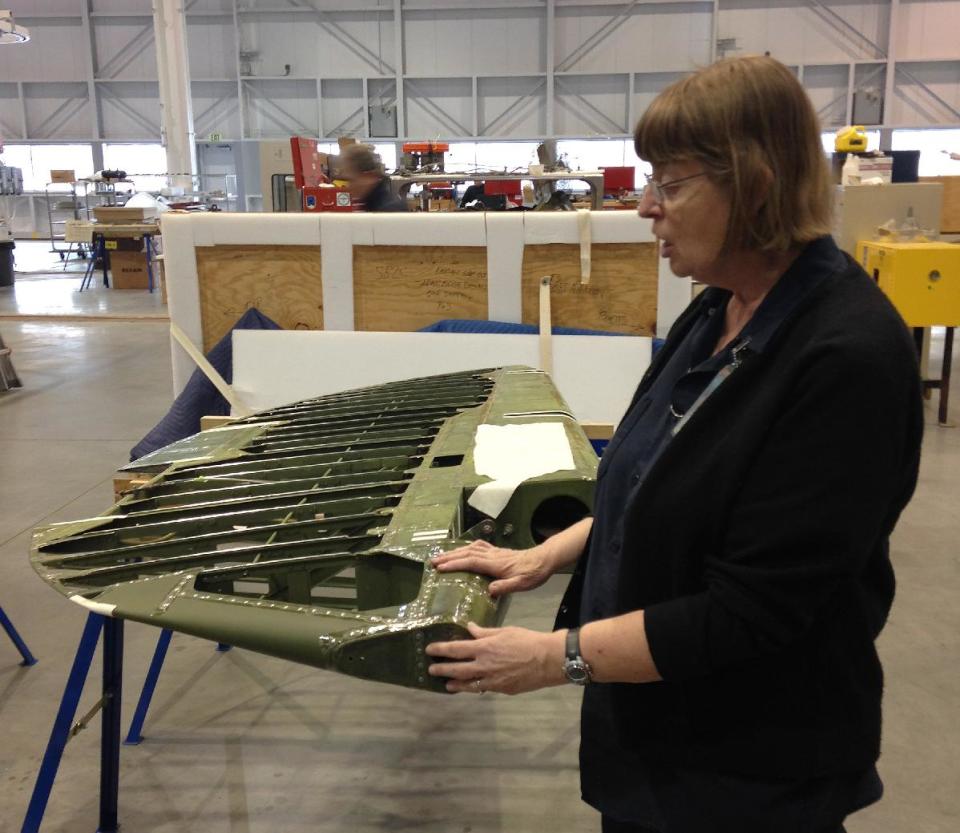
{"x":304,"y":532}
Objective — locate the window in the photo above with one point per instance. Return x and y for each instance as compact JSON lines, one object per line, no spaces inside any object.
{"x":506,"y":156}
{"x":935,"y":147}
{"x":593,"y":154}
{"x":461,"y":158}
{"x":387,"y":151}
{"x":38,"y":160}
{"x":145,"y":164}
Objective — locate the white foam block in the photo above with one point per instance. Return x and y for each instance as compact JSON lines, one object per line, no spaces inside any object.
{"x":432,"y":229}
{"x":605,"y":227}
{"x":504,"y":267}
{"x":336,"y":270}
{"x":220,"y":228}
{"x":673,"y":297}
{"x":183,"y":290}
{"x":596,"y":375}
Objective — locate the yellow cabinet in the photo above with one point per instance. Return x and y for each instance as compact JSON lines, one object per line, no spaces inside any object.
{"x":921,"y":279}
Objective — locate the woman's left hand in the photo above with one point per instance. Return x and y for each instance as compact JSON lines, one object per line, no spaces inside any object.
{"x":505,"y":660}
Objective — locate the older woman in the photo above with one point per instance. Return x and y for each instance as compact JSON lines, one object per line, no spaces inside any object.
{"x":731,"y":583}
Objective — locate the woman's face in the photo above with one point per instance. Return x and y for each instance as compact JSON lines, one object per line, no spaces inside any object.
{"x":690,"y":220}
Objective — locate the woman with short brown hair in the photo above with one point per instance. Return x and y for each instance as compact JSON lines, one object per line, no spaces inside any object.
{"x":735,"y":573}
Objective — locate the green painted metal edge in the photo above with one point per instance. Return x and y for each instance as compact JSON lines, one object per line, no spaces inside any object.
{"x":168,"y":558}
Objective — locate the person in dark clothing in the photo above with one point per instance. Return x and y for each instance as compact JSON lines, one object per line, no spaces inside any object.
{"x":730,"y":586}
{"x":369,"y":187}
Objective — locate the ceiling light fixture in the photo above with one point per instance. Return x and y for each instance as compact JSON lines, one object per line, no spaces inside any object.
{"x":9,"y":31}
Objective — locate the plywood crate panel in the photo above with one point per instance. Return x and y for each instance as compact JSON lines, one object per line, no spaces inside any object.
{"x":950,"y":216}
{"x":621,"y":295}
{"x":283,"y":282}
{"x":404,"y":288}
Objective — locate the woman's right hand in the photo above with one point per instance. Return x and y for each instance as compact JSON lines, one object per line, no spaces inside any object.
{"x":514,"y":570}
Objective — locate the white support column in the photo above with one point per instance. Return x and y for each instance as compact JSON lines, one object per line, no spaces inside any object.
{"x":96,"y":128}
{"x":24,"y":131}
{"x":851,"y":81}
{"x":399,"y":60}
{"x":365,"y":88}
{"x":476,"y":105}
{"x":714,"y":30}
{"x":176,"y":104}
{"x":551,"y":50}
{"x":890,"y":80}
{"x":241,"y":102}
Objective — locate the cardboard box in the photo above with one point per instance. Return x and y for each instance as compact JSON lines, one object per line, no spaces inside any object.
{"x":63,"y":175}
{"x":128,"y":270}
{"x":114,"y":214}
{"x":78,"y":231}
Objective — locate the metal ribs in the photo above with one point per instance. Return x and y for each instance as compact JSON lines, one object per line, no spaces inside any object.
{"x":304,"y":531}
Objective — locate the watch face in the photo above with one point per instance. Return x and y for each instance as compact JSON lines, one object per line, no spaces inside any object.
{"x":577,"y":672}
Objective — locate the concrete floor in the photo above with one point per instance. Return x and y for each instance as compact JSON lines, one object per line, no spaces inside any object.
{"x":44,"y":287}
{"x":242,"y":743}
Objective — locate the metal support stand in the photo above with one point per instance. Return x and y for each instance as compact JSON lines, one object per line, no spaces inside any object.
{"x":943,"y":383}
{"x":110,"y":726}
{"x":98,"y":250}
{"x":135,"y":732}
{"x":148,"y":241}
{"x":64,"y":728}
{"x":19,"y":644}
{"x":8,"y":376}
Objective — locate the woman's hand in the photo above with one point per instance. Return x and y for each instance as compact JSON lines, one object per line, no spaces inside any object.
{"x":514,"y":570}
{"x":504,"y":660}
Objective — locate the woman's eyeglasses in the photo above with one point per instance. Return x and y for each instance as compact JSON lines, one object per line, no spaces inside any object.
{"x":662,"y":191}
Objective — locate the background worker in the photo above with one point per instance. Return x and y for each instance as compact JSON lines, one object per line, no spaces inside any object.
{"x":369,"y":186}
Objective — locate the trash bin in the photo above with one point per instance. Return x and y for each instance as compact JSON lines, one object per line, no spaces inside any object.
{"x":6,"y":263}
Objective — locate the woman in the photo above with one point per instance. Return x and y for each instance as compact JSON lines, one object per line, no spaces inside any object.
{"x":731,"y":584}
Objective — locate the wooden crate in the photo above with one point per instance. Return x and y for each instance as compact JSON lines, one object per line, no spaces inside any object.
{"x":404,"y":288}
{"x":283,"y":282}
{"x":620,"y":297}
{"x":950,"y":213}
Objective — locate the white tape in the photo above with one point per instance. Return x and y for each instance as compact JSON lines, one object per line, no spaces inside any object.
{"x":546,"y":327}
{"x":583,"y":226}
{"x":511,"y":454}
{"x":237,"y":406}
{"x":94,"y":607}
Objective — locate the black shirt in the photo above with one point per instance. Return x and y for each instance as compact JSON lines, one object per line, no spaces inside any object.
{"x":382,"y":198}
{"x":615,"y":780}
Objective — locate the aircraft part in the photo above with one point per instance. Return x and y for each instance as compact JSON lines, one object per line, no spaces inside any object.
{"x":304,"y":531}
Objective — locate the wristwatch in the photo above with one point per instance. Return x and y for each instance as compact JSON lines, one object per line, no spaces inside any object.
{"x":575,"y":666}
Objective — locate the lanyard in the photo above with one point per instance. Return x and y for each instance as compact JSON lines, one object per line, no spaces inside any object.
{"x":722,"y":375}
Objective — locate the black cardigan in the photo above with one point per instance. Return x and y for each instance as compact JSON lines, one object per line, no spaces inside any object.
{"x":757,"y":545}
